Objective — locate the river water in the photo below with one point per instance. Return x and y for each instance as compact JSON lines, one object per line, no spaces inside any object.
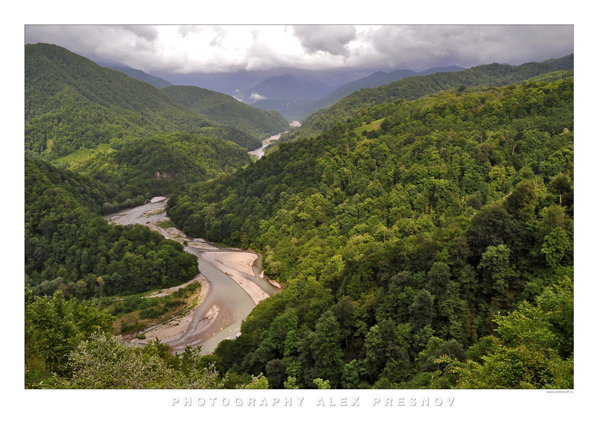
{"x":260,"y":152}
{"x":232,"y":301}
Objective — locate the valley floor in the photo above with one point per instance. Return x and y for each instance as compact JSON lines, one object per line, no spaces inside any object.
{"x":230,"y":287}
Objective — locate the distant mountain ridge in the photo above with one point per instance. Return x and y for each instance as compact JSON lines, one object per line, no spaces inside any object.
{"x":413,"y":87}
{"x":298,"y":108}
{"x":375,"y":80}
{"x":157,"y":82}
{"x":286,"y":86}
{"x":71,"y":103}
{"x":381,"y":78}
{"x":225,"y":109}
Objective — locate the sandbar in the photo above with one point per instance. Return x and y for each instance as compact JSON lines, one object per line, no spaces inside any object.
{"x":177,"y":327}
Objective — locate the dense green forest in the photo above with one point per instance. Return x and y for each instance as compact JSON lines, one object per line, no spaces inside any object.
{"x":411,"y":88}
{"x":69,"y":247}
{"x":157,"y":82}
{"x":74,"y":260}
{"x":159,"y":164}
{"x":424,"y":235}
{"x":226,"y":110}
{"x":124,"y":142}
{"x":72,"y":103}
{"x":440,"y":227}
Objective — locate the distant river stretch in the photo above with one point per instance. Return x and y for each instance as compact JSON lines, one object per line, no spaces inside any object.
{"x":260,"y":151}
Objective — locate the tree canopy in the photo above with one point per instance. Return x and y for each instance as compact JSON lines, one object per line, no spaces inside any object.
{"x":449,"y":212}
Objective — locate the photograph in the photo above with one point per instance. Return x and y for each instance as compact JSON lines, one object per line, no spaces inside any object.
{"x":358,"y":220}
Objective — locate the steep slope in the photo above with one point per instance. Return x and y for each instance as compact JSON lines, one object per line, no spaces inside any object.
{"x":71,"y":103}
{"x":445,"y":227}
{"x":417,"y":86}
{"x":227,"y":110}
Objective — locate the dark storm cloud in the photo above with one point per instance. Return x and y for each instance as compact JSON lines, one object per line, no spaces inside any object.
{"x":425,"y":46}
{"x":95,"y":40}
{"x":331,"y":39}
{"x":109,"y":43}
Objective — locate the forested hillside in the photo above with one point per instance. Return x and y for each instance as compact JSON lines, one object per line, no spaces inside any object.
{"x":72,"y":103}
{"x":110,"y":129}
{"x":424,"y":235}
{"x":227,"y":110}
{"x":380,"y":78}
{"x":68,"y":246}
{"x":411,"y":88}
{"x":157,"y":82}
{"x":410,"y":231}
{"x":159,"y":164}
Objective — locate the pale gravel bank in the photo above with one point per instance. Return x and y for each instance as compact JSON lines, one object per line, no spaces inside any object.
{"x":165,"y":292}
{"x":176,"y":328}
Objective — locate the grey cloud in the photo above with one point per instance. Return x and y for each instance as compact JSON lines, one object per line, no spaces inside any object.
{"x":325,"y":38}
{"x":143,"y":31}
{"x":388,"y":47}
{"x":420,"y":47}
{"x":132,"y":45}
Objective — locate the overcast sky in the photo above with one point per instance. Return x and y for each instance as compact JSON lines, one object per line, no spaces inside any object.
{"x":192,"y":49}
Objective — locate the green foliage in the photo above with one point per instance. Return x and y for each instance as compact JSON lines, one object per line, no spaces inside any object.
{"x":103,"y":363}
{"x":525,"y":351}
{"x":226,"y":110}
{"x":322,"y":384}
{"x":165,"y":224}
{"x":142,"y":76}
{"x":418,"y":86}
{"x":442,"y":220}
{"x":325,"y":347}
{"x":495,"y":263}
{"x":447,"y":225}
{"x":162,"y":163}
{"x":54,"y":326}
{"x":68,"y":345}
{"x":259,"y":382}
{"x":73,"y":103}
{"x":68,"y":247}
{"x":290,"y":383}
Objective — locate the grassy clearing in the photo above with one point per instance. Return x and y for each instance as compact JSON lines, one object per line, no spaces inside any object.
{"x":165,"y":224}
{"x":368,"y":127}
{"x":137,"y":312}
{"x":82,"y":155}
{"x":222,"y":245}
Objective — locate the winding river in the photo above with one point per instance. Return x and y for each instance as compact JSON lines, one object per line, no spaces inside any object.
{"x":233,"y":276}
{"x":260,"y":152}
